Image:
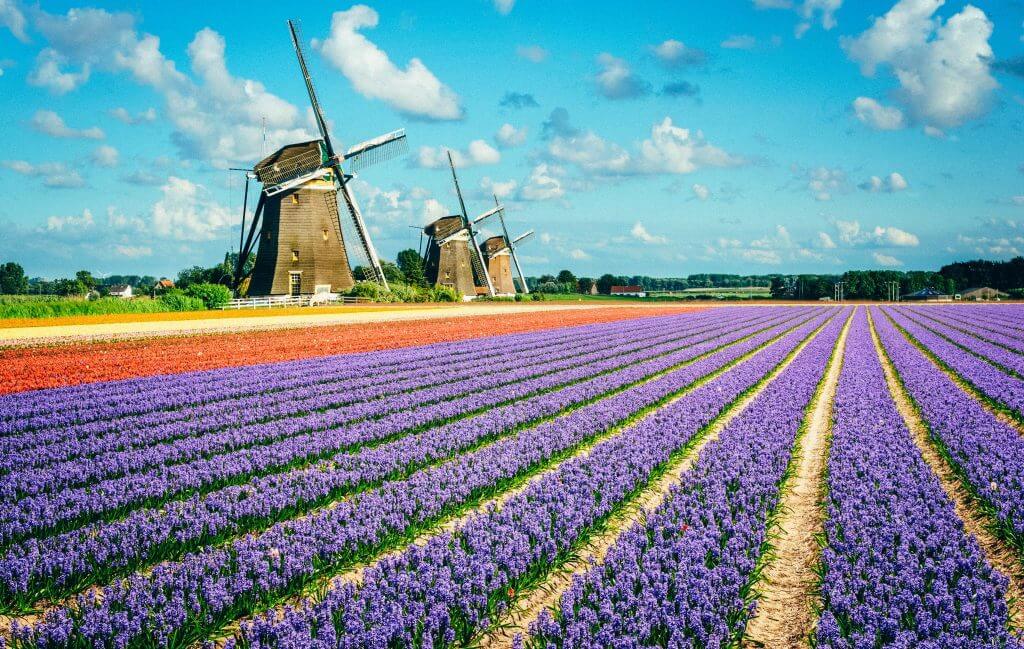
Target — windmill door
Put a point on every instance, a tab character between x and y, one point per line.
295	283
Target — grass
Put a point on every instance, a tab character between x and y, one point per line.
52	306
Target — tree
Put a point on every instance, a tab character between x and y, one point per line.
778	288
392	273
87	280
605	283
566	277
69	287
192	275
212	295
411	264
12	279
585	284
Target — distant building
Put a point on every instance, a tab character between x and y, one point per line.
927	295
163	284
982	293
120	290
633	291
593	288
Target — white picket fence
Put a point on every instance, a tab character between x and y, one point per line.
271	301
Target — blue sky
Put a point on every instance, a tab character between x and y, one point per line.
748	136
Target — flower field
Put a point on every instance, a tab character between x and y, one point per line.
626	481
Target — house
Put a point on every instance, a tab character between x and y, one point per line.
633	291
120	290
927	295
163	284
982	293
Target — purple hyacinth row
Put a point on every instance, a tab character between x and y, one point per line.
189	443
277	385
35	514
988	452
93	401
681	578
898	567
987	378
447	589
1006	358
978	326
184	600
65	560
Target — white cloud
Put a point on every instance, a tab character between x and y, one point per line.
771	249
13	19
133	252
825	241
122	115
674	54
105	156
851	233
825	10
878	116
824	182
578	254
187	212
943	68
886	260
740	42
509	136
414	91
477	153
532	53
504	7
48	73
543	184
894	182
433	209
50	123
701	191
501	189
616	79
54	174
934	132
641	234
61	223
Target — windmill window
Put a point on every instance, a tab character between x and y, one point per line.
295	199
295	255
325	235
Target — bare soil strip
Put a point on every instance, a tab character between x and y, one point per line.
518	618
999	555
787	587
1003	414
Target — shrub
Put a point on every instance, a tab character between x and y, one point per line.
444	294
212	295
176	300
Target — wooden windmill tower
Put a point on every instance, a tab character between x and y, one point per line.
453	256
298	226
500	250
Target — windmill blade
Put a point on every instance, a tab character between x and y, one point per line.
452	236
479	267
522	237
318	114
489	213
380	149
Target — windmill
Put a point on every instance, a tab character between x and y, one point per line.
499	250
453	255
297	223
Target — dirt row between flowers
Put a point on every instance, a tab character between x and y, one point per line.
49	366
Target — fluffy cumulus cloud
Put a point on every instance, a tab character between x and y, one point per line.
824	182
56	175
811	11
52	124
124	116
670	149
675	54
883	259
878	116
187	212
49	73
851	233
433	209
640	233
942	66
894	182
399	206
532	53
616	79
12	17
825	241
701	192
543	184
509	136
105	156
771	249
414	91
499	188
479	152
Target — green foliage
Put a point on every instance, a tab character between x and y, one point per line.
175	299
565	277
444	294
49	306
584	284
392	273
1001	275
403	293
411	265
212	295
779	289
12	279
69	287
86	278
605	283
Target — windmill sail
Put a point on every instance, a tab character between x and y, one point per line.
476	256
379	149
